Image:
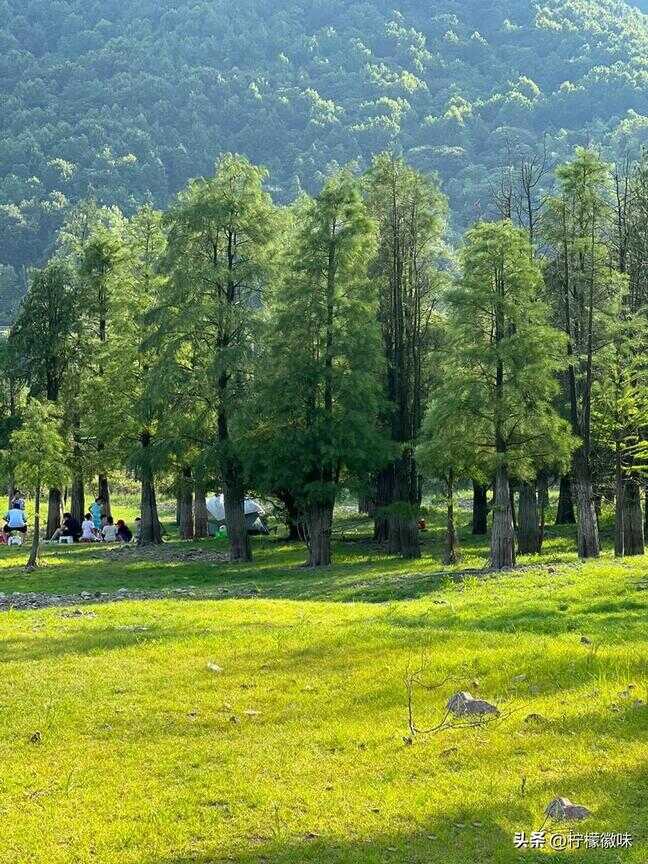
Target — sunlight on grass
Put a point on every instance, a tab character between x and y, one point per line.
119	745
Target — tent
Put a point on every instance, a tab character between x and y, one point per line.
255	515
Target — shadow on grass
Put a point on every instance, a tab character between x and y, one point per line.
84	642
470	835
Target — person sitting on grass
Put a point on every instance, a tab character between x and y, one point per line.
124	534
88	530
15	521
69	528
110	531
138	529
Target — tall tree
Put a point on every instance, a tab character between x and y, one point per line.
410	213
499	383
585	287
43	338
219	233
317	414
123	404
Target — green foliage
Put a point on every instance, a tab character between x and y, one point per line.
320	388
495	400
38	450
43	335
129	100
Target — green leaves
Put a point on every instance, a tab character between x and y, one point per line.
38	450
494	397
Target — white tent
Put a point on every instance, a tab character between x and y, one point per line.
254	515
216	508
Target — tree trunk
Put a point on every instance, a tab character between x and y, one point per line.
77	504
33	560
565	514
543	503
451	552
384	497
480	510
528	522
292	516
619	544
404	536
103	489
151	530
201	514
53	512
320	526
234	500
366	504
582	491
502	536
11	490
186	525
633	533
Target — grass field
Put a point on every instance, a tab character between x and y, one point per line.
120	744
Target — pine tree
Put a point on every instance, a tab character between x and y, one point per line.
219	236
323	360
585	286
410	213
499	384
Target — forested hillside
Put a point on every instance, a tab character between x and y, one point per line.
126	99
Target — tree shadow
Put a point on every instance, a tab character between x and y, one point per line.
84	642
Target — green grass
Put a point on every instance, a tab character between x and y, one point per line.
146	756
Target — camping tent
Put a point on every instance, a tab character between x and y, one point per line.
255	515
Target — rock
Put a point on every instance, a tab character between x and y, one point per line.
214	667
463	703
562	810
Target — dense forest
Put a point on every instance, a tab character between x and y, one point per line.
125	100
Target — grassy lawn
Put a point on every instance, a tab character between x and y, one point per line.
119	744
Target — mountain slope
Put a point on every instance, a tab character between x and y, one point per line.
127	99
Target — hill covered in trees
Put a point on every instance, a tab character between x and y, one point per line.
127	99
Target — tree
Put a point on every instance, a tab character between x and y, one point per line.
43	338
585	289
321	396
219	233
445	452
38	449
620	421
410	213
124	405
500	383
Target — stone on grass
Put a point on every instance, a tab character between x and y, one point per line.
214	667
462	704
562	810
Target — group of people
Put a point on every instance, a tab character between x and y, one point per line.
96	527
